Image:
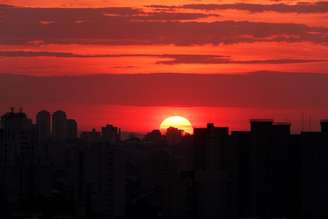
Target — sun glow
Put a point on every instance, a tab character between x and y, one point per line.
178	122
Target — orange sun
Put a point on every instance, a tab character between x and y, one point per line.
178	122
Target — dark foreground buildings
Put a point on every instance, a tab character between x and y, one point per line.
47	171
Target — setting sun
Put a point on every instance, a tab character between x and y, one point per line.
178	122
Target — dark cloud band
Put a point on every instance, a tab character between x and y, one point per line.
166	59
303	7
128	26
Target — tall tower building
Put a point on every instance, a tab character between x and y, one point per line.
59	125
99	176
72	128
210	144
324	126
43	125
111	134
17	150
15	121
210	166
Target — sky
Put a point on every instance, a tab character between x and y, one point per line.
204	59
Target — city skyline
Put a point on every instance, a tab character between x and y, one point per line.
47	170
163	109
72	128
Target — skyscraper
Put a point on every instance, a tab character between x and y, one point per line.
324	126
110	134
17	150
72	128
99	174
210	146
15	121
59	125
43	125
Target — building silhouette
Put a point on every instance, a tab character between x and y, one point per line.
17	155
91	136
266	172
174	136
72	130
43	125
59	125
111	134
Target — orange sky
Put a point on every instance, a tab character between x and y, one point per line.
250	35
104	3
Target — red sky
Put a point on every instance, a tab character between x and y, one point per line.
91	37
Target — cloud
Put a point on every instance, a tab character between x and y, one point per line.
214	59
166	59
274	90
6	6
50	54
300	7
128	26
168	16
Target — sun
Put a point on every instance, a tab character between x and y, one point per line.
178	122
